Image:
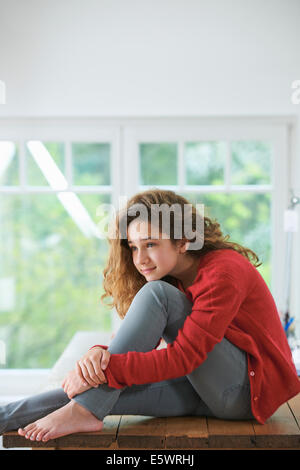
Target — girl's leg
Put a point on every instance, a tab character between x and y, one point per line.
159	310
174	397
20	413
147	313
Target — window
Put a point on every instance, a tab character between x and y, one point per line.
237	168
242	206
54	176
51	252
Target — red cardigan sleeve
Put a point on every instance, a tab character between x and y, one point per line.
103	346
217	303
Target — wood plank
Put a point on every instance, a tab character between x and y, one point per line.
186	432
230	434
294	404
45	448
112	447
141	432
13	440
101	439
104	438
280	430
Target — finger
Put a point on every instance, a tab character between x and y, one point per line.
90	365
88	374
80	374
105	360
65	382
100	375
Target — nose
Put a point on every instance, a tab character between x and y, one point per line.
141	257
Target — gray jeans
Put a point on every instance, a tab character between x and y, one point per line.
219	387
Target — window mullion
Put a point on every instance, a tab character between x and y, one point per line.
68	164
181	166
227	169
131	162
116	168
22	166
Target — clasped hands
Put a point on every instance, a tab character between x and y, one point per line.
87	373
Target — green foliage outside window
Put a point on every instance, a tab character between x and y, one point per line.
57	279
51	273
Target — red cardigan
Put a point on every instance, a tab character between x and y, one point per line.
230	298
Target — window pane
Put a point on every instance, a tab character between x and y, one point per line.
45	163
204	162
91	164
246	217
50	276
158	164
251	163
9	172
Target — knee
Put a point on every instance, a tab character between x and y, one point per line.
153	286
154	290
163	291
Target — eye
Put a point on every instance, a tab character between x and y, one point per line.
131	248
148	245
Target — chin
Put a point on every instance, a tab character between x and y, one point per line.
153	275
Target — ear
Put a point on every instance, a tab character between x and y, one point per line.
183	245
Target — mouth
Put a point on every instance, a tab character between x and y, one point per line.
146	271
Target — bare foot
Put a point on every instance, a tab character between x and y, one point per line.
69	419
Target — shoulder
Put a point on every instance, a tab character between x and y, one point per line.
227	263
225	259
225	270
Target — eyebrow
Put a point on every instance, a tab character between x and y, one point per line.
141	239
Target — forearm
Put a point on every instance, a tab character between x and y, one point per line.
201	331
137	368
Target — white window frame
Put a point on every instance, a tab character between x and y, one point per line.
276	131
65	131
125	134
56	130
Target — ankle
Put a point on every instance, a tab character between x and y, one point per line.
80	409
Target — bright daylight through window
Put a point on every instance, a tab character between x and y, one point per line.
51	255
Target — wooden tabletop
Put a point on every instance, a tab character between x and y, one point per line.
281	431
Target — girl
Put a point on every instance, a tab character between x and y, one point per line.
227	355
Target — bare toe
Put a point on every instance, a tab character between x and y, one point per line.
47	436
29	428
34	434
40	435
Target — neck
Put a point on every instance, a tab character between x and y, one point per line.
188	271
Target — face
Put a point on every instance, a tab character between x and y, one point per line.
153	258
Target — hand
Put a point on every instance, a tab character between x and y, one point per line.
72	384
89	367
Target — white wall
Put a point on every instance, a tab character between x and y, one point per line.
153	58
149	57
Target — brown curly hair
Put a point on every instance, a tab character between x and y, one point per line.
121	279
